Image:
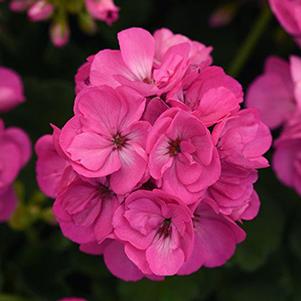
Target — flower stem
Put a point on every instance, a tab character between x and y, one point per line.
250	42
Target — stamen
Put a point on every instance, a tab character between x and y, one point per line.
165	229
119	141
174	147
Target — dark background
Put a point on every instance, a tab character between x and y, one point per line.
37	263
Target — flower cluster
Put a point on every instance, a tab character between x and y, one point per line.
15	146
156	168
86	10
288	12
277	95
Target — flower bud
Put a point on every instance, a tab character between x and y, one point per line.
41	10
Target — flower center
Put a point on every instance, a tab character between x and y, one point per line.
119	141
165	229
105	192
174	147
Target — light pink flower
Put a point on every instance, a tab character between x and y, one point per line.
212	96
233	194
287	156
215	240
288	12
157	230
15	152
182	159
272	93
243	139
40	11
51	163
82	77
106	137
84	209
104	10
11	89
59	34
136	65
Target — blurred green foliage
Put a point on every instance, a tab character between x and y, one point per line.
38	264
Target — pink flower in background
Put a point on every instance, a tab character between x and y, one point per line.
104	10
40	11
157	230
109	141
183	158
215	240
272	93
287	157
288	12
59	34
15	153
157	166
11	89
58	13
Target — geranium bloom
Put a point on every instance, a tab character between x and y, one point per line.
287	156
140	65
104	10
41	10
11	89
243	139
157	230
215	240
233	194
51	163
211	96
84	209
288	12
183	158
110	139
156	168
272	93
15	152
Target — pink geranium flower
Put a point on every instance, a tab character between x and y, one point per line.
233	194
84	209
15	152
287	156
157	230
138	65
51	163
288	12
11	89
211	96
215	240
40	11
183	159
243	139
110	138
272	93
104	10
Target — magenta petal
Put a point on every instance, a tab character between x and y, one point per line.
137	48
119	264
8	203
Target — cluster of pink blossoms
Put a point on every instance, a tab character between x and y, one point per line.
15	148
277	95
41	10
156	168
